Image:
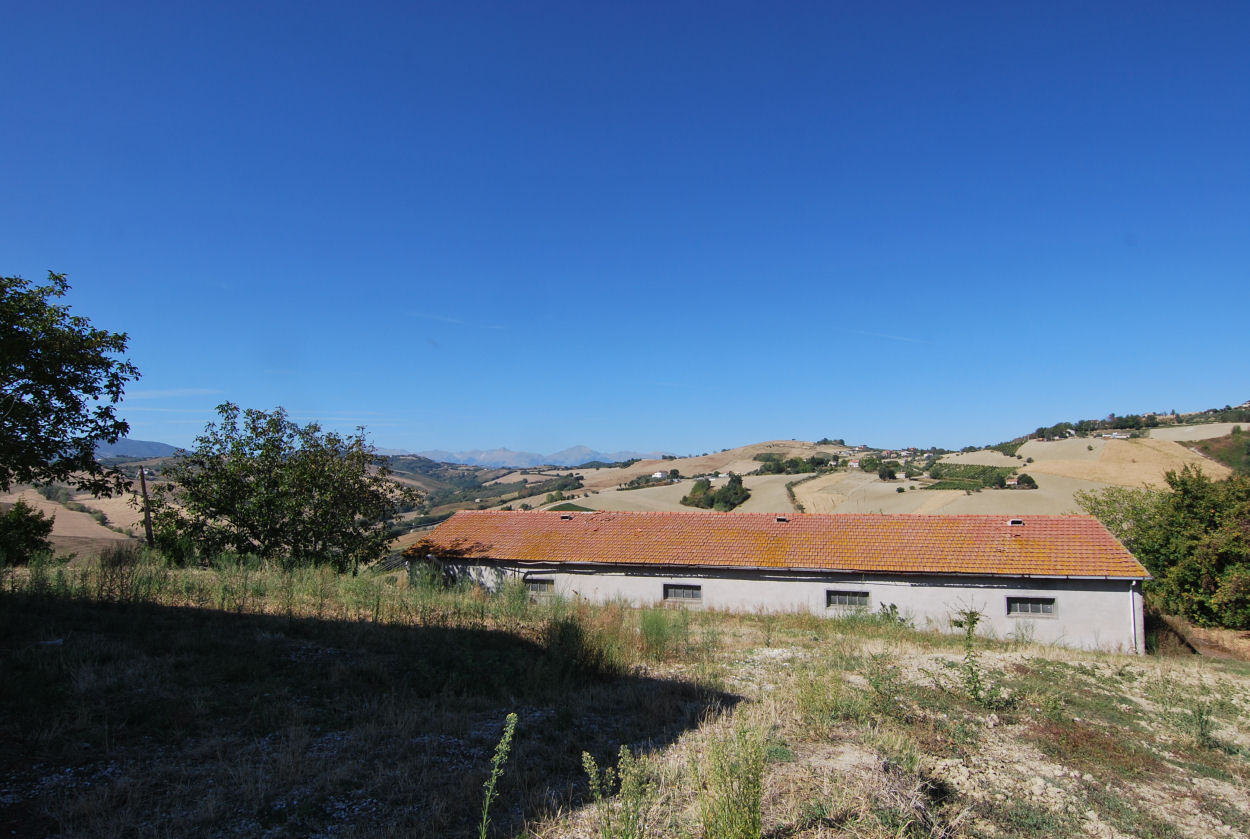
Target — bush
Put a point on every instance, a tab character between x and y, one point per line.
731	784
724	499
24	534
664	631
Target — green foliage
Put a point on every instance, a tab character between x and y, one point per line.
24	534
1026	481
617	464
1233	450
730	778
496	772
56	492
976	682
775	464
665	632
260	484
887	473
60	383
630	818
1127	513
570	507
1194	539
1009	449
970	475
724	499
644	481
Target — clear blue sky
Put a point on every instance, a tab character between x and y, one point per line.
669	226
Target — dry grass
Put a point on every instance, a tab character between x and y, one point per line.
235	701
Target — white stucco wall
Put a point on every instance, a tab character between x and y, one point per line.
1088	614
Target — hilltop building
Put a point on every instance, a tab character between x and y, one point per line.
1053	579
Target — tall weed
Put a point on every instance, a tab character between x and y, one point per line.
630	817
502	748
730	782
665	632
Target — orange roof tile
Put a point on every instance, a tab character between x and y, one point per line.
1051	546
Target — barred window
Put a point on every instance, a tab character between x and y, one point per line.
540	588
683	593
1030	605
834	597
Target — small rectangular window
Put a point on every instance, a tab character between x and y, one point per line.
683	593
540	588
1030	605
846	598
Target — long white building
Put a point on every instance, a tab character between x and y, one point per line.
1054	579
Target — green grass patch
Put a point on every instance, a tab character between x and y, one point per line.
1232	450
955	484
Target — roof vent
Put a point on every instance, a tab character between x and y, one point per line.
1015	522
782	519
566	516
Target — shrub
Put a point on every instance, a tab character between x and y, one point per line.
24	534
631	817
664	631
731	784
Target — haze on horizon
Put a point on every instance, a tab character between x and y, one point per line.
648	227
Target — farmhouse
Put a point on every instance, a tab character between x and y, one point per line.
1055	579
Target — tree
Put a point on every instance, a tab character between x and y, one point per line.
724	499
731	494
1194	539
60	382
287	493
887	473
23	534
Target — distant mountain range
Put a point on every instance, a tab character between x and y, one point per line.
574	456
134	448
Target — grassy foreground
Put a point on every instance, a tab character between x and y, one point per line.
235	701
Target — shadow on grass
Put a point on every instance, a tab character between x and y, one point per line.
151	720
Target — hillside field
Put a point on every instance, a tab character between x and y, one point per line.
232	702
1060	467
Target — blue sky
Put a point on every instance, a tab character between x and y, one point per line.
671	226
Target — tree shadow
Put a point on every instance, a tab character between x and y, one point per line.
167	719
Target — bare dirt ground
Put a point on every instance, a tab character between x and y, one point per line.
76	533
740	460
1204	431
857	492
1132	463
1233	643
119	510
983	458
768	495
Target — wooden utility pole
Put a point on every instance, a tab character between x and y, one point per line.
147	511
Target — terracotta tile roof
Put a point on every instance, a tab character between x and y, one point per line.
1062	546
